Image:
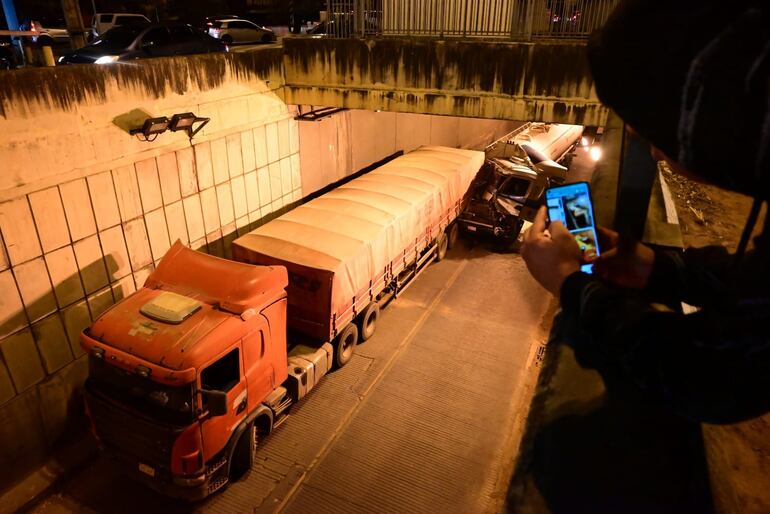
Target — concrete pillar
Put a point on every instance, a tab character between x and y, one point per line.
637	175
48	59
29	55
74	21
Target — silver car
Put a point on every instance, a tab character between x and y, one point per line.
234	30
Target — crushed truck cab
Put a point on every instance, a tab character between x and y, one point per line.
186	373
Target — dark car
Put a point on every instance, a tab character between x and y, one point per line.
7	53
507	191
140	42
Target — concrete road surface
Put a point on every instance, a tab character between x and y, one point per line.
425	418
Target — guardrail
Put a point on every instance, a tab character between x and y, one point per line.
519	20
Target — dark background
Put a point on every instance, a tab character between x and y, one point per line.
265	12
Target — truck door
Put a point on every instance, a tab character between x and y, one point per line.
258	366
223	374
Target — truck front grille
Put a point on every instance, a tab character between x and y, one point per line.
129	434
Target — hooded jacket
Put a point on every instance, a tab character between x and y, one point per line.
693	78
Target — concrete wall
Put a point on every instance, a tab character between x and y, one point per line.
87	210
544	81
337	146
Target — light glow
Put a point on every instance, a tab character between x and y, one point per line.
106	59
596	153
584	141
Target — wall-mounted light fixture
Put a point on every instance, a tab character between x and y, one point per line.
151	127
184	121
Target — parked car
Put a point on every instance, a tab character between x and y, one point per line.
236	30
7	53
139	42
47	32
209	20
320	29
102	22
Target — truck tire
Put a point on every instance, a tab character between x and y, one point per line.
442	244
345	345
243	453
453	235
367	321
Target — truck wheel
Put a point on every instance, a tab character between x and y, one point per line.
345	345
453	234
367	321
442	243
243	455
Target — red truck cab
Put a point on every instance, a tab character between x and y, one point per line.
185	373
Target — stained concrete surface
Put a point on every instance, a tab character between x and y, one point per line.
425	418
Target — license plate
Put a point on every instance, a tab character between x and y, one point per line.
147	470
471	228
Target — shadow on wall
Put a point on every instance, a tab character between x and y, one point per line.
47	369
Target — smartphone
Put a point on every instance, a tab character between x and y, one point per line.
571	204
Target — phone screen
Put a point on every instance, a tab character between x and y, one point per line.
571	204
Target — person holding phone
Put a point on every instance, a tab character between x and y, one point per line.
692	78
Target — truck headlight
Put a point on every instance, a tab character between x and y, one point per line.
106	59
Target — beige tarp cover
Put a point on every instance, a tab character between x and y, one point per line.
356	230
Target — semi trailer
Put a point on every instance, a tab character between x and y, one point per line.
190	372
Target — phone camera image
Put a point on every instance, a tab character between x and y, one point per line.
571	205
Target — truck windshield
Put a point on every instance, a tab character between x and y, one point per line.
166	404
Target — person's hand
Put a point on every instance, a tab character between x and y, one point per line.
551	255
625	266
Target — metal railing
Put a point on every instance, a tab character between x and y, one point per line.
499	19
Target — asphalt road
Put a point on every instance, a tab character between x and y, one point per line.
425	418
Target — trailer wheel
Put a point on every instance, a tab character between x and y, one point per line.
453	234
345	345
367	321
243	455
442	243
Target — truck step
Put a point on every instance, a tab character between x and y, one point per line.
274	399
217	484
216	466
280	420
281	408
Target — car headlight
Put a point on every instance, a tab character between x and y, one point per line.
106	59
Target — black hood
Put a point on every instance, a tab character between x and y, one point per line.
692	77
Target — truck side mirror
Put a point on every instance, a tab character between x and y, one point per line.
216	401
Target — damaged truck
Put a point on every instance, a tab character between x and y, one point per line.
518	168
190	372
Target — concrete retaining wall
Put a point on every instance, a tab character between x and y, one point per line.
541	81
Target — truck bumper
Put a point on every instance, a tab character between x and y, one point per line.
475	226
191	488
